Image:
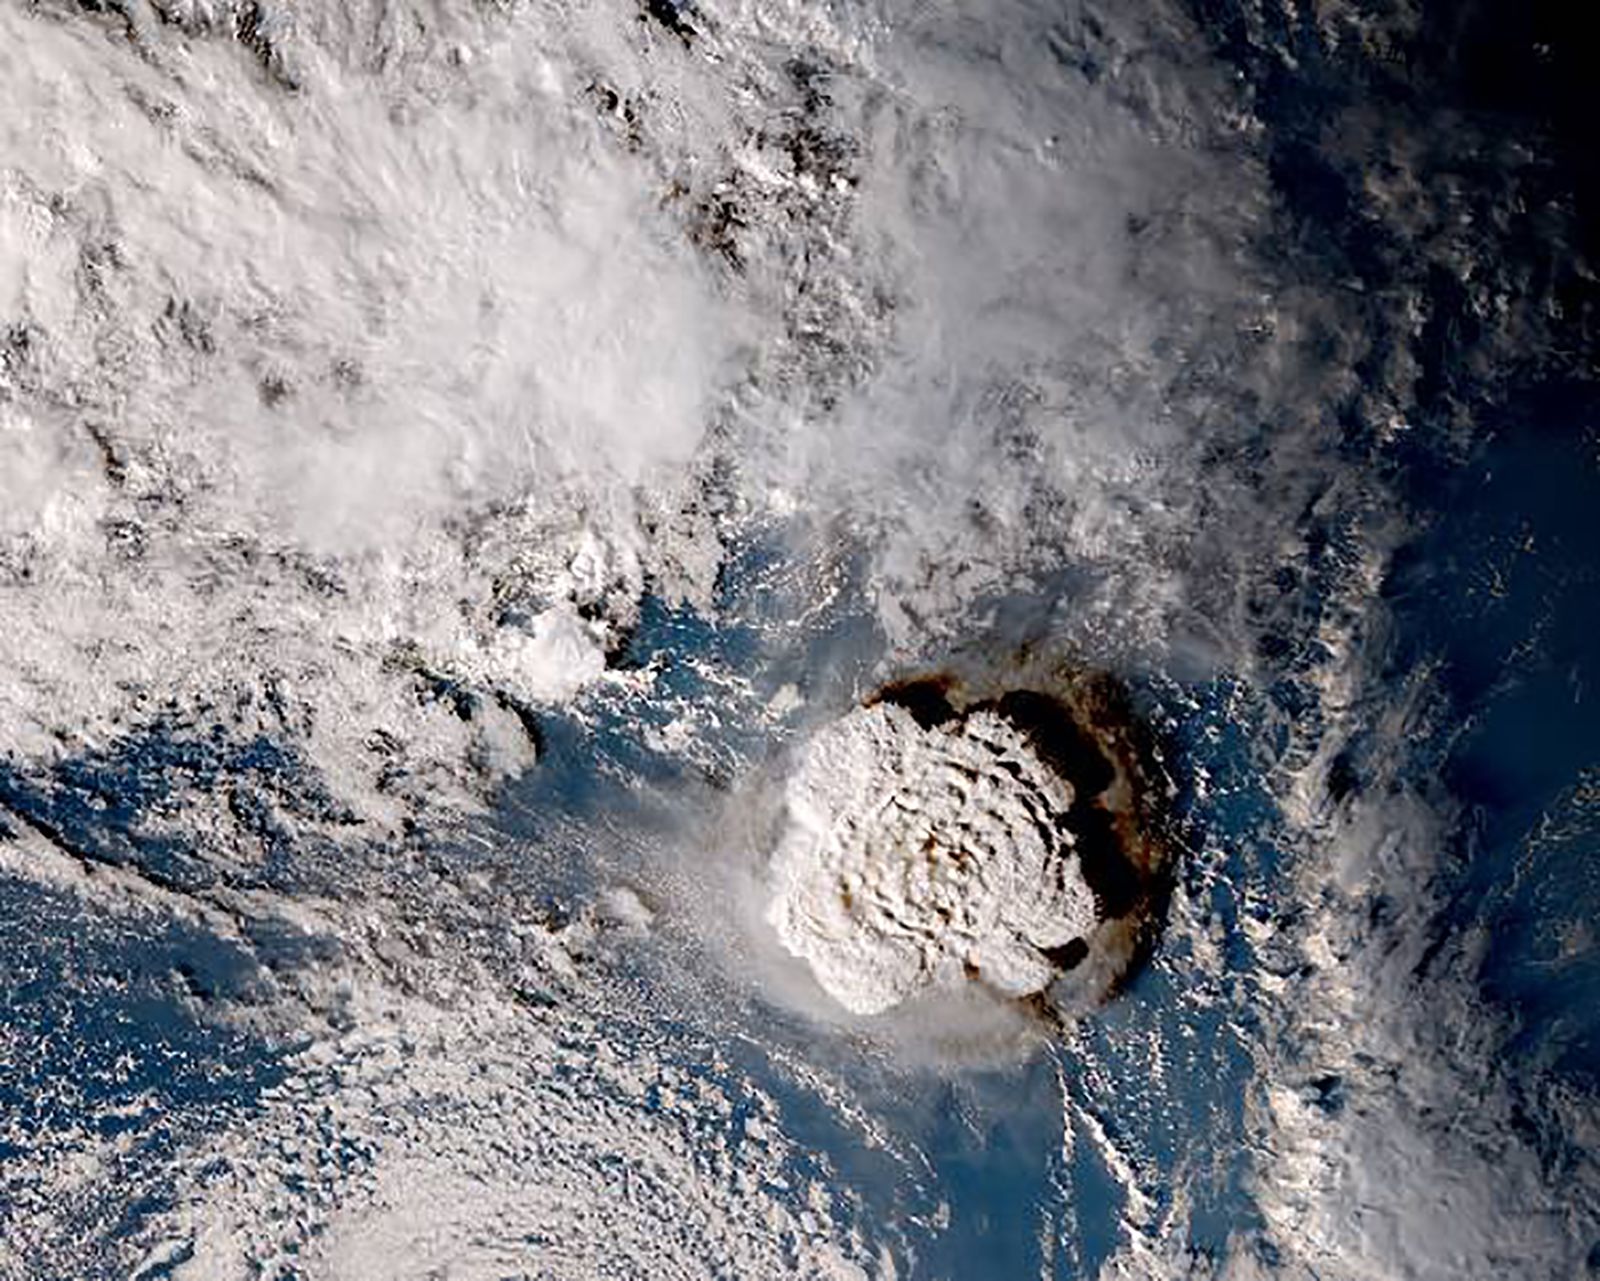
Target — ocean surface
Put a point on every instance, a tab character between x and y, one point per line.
453	457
